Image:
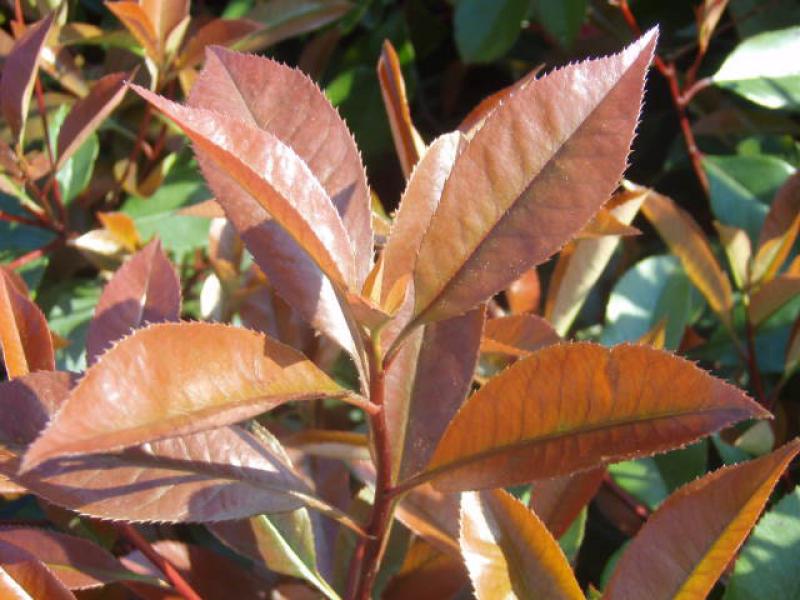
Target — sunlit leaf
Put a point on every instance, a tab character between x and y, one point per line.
222	32
508	551
515	214
739	251
24	335
779	231
775	293
700	528
568	407
137	21
524	293
144	290
230	375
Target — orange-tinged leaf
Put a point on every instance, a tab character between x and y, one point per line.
517	335
508	551
230	375
19	73
24	335
417	206
739	251
282	101
570	407
144	290
88	113
433	516
655	336
503	208
558	501
166	16
24	577
779	231
775	293
605	223
793	350
222	32
524	293
136	20
688	242
700	528
427	574
407	142
122	227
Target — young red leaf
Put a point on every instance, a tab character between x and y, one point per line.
775	293
287	104
508	551
535	173
88	113
19	74
137	21
517	335
222	32
24	577
24	336
168	18
558	501
574	406
779	231
144	290
132	395
700	528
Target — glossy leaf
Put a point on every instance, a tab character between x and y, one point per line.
779	231
407	141
169	19
515	214
136	20
688	242
24	336
24	577
486	29
775	293
144	290
559	500
88	113
230	375
605	223
222	32
700	528
517	335
508	551
19	73
279	100
567	408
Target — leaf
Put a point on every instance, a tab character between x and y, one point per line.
426	574
169	19
230	375
603	224
779	231
503	204
25	577
562	20
761	70
700	527
137	21
767	565
688	242
508	551
478	115
19	74
739	251
222	32
578	269
407	141
282	542
24	336
77	563
485	29
707	16
144	290
517	335
559	500
279	100
590	405
88	113
775	293
433	516
524	293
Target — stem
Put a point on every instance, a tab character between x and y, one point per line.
637	508
169	570
62	210
34	254
8	217
137	148
752	360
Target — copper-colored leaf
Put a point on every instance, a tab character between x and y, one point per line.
19	74
427	574
775	293
700	528
407	141
79	564
24	577
688	242
136	20
122	227
88	113
168	17
144	290
222	32
558	501
503	208
432	515
524	293
24	336
517	335
288	105
508	551
779	231
574	406
605	223
216	375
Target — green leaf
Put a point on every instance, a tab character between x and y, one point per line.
767	565
69	307
654	288
742	188
486	29
562	19
571	541
764	69
75	173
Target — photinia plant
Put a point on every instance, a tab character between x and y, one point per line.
171	422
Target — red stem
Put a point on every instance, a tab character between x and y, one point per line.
169	570
636	507
34	254
4	216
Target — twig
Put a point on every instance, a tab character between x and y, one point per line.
34	254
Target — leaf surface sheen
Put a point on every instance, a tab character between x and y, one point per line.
700	527
508	551
576	406
531	178
24	336
144	290
217	375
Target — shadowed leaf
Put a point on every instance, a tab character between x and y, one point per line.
775	293
700	527
144	290
524	293
132	395
222	32
559	500
569	407
427	574
517	335
24	336
508	551
24	577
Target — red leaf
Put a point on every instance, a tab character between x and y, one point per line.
558	501
25	577
24	336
